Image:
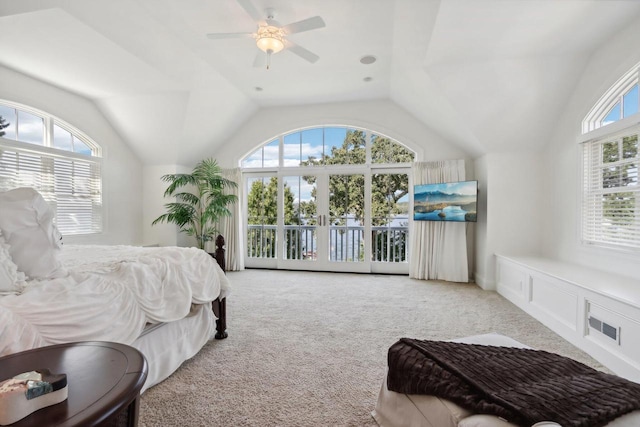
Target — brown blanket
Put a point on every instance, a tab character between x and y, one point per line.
520	385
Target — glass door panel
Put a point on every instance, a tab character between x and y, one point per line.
262	217
300	218
346	218
389	217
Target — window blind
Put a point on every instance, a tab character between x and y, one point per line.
70	183
611	194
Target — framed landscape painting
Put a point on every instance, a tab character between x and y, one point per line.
447	201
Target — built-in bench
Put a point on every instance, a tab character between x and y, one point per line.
596	311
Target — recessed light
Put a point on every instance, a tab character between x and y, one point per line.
368	59
367	79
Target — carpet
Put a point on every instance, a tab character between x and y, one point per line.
309	349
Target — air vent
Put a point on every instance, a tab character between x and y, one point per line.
605	328
610	331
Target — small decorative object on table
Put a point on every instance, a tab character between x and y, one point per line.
28	392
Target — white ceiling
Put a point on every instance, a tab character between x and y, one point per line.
487	75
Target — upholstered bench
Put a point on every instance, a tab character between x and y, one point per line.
413	410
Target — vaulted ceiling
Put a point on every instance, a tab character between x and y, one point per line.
486	75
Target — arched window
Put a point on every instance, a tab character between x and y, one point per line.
619	102
43	152
328	198
611	193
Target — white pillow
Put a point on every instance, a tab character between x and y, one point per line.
11	280
26	220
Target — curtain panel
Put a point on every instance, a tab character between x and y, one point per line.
439	249
231	227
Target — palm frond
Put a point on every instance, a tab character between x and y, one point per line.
189	198
177	213
178	180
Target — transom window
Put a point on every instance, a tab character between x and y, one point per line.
620	101
611	193
43	152
328	145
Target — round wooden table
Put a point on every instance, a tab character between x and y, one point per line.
104	381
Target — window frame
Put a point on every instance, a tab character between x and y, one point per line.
600	110
592	188
49	153
281	160
593	132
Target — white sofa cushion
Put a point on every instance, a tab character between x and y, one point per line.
26	220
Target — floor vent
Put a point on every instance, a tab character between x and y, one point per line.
605	328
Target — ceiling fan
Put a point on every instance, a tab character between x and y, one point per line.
271	37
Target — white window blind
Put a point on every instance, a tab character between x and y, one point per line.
70	182
611	194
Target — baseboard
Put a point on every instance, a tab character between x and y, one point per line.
485	284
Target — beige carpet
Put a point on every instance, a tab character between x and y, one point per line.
309	349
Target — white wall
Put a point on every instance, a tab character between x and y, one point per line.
483	258
161	234
561	239
382	116
122	171
512	205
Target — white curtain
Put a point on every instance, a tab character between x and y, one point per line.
439	249
231	227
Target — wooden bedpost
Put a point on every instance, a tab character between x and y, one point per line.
219	253
219	306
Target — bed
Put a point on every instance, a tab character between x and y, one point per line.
413	410
160	300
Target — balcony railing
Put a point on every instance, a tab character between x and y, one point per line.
389	244
261	241
346	243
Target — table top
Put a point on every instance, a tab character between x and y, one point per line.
103	378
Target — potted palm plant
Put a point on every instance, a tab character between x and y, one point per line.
196	212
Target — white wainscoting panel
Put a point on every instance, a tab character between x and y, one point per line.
511	280
564	297
556	299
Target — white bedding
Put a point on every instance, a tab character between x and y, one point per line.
109	294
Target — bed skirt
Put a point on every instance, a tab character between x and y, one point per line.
187	336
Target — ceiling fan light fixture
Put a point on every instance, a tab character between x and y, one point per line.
270	39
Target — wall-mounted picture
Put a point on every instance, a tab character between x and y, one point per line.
447	201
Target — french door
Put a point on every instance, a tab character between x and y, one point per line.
326	232
321	219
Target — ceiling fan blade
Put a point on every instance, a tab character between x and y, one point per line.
260	60
251	10
229	35
304	25
302	52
